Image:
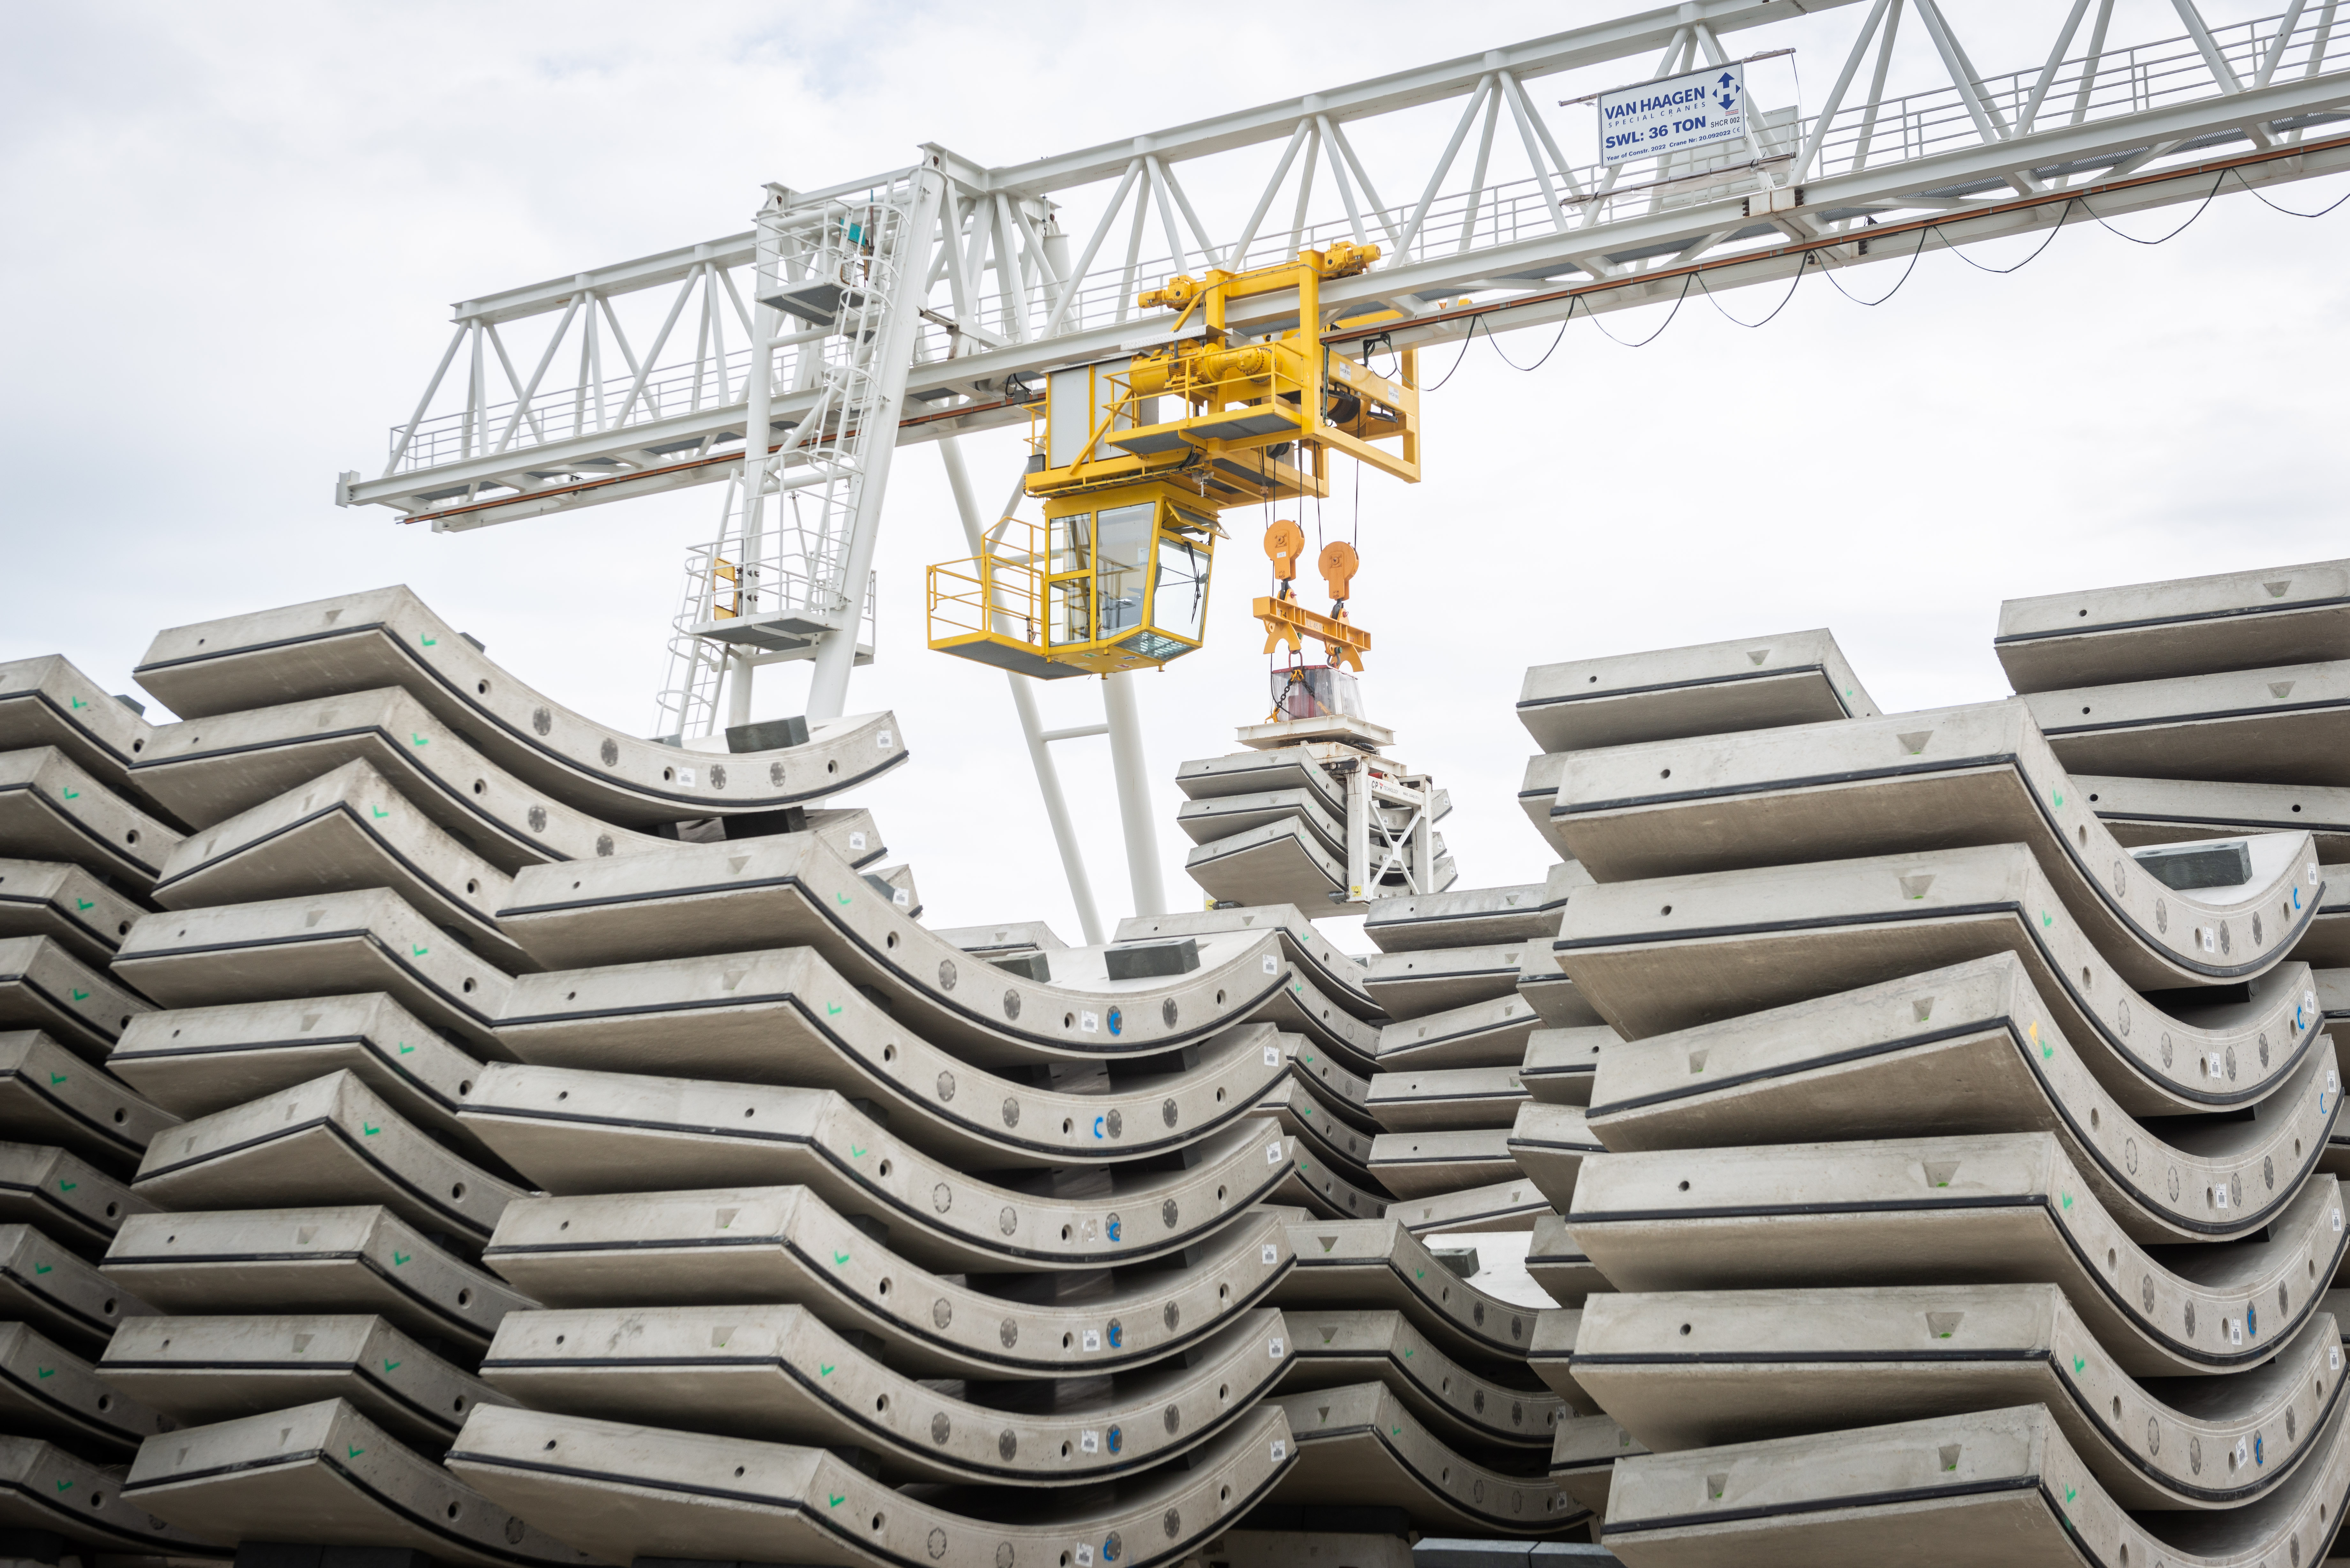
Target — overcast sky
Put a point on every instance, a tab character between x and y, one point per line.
234	234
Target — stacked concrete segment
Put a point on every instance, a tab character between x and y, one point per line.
1966	1189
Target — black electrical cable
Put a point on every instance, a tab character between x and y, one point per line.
2208	196
1802	266
2288	211
1687	278
1573	301
1829	273
2070	202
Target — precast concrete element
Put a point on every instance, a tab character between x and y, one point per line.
52	809
1967	1049
66	904
575	1132
1300	1007
50	1096
1461	1405
1479	917
44	986
1374	1264
2286	724
1278	863
1938	1494
1552	1357
1010	938
202	1369
2139	812
1708	689
756	1246
1361	1445
1514	1204
45	1285
1446	1099
46	1490
349	1260
345	832
1695	1369
1326	1192
1558	1261
785	1376
325	1475
1550	1143
1551	992
1338	975
194	1062
387	637
1258	772
1303	1115
1954	778
1537	791
46	701
1583	1457
1339	1086
1206	821
1561	1064
1424	1164
69	1200
1676	952
2185	626
786	1016
1955	1210
331	1140
631	1493
1480	1034
1431	980
48	1392
329	944
695	900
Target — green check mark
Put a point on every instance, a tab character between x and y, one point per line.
45	1372
855	1152
355	1452
834	1500
824	1369
831	1009
840	1259
68	794
81	996
42	1267
415	738
78	703
2068	1199
379	812
2046	919
419	952
427	642
1406	1354
67	1186
57	1078
399	1259
1420	1273
1394	1431
2079	1365
84	905
393	1365
405	1049
843	898
64	1486
368	1131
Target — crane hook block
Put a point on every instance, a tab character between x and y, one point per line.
1284	541
1337	564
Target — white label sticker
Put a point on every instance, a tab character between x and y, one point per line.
2333	1082
1280	1450
685	777
857	842
2337	1221
1270	967
2332	1358
1275	1349
2243	1452
1273	1154
1089	1340
1272	1254
1273	1056
2214	1066
2219	1196
1089	1442
1088	1022
1084	1557
2312	873
2235	1331
902	899
2210	943
885	740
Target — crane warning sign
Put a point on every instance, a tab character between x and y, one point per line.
1673	115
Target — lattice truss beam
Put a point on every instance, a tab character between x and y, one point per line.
1471	176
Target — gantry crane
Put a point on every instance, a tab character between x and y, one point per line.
943	298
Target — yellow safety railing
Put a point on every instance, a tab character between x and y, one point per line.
998	595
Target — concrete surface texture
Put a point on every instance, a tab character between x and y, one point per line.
398	1051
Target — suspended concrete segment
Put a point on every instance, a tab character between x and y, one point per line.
1361	1445
1378	1265
1462	1406
65	1196
198	1061
1430	980
1952	778
628	1493
1557	1263
46	701
1562	1063
325	1475
48	1392
758	1246
2139	812
51	809
47	1491
2187	626
44	986
786	1016
1338	975
66	904
1935	1494
1708	688
45	1285
1676	952
1447	1099
1550	1143
574	1132
1425	1164
331	1141
387	637
349	1259
328	945
50	1096
2287	725
1475	917
1514	1204
1478	1034
1959	1210
785	1376
1556	1001
698	900
1255	773
1968	1049
198	1370
1686	1370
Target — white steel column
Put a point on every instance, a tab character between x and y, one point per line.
835	653
1124	712
1023	703
757	423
